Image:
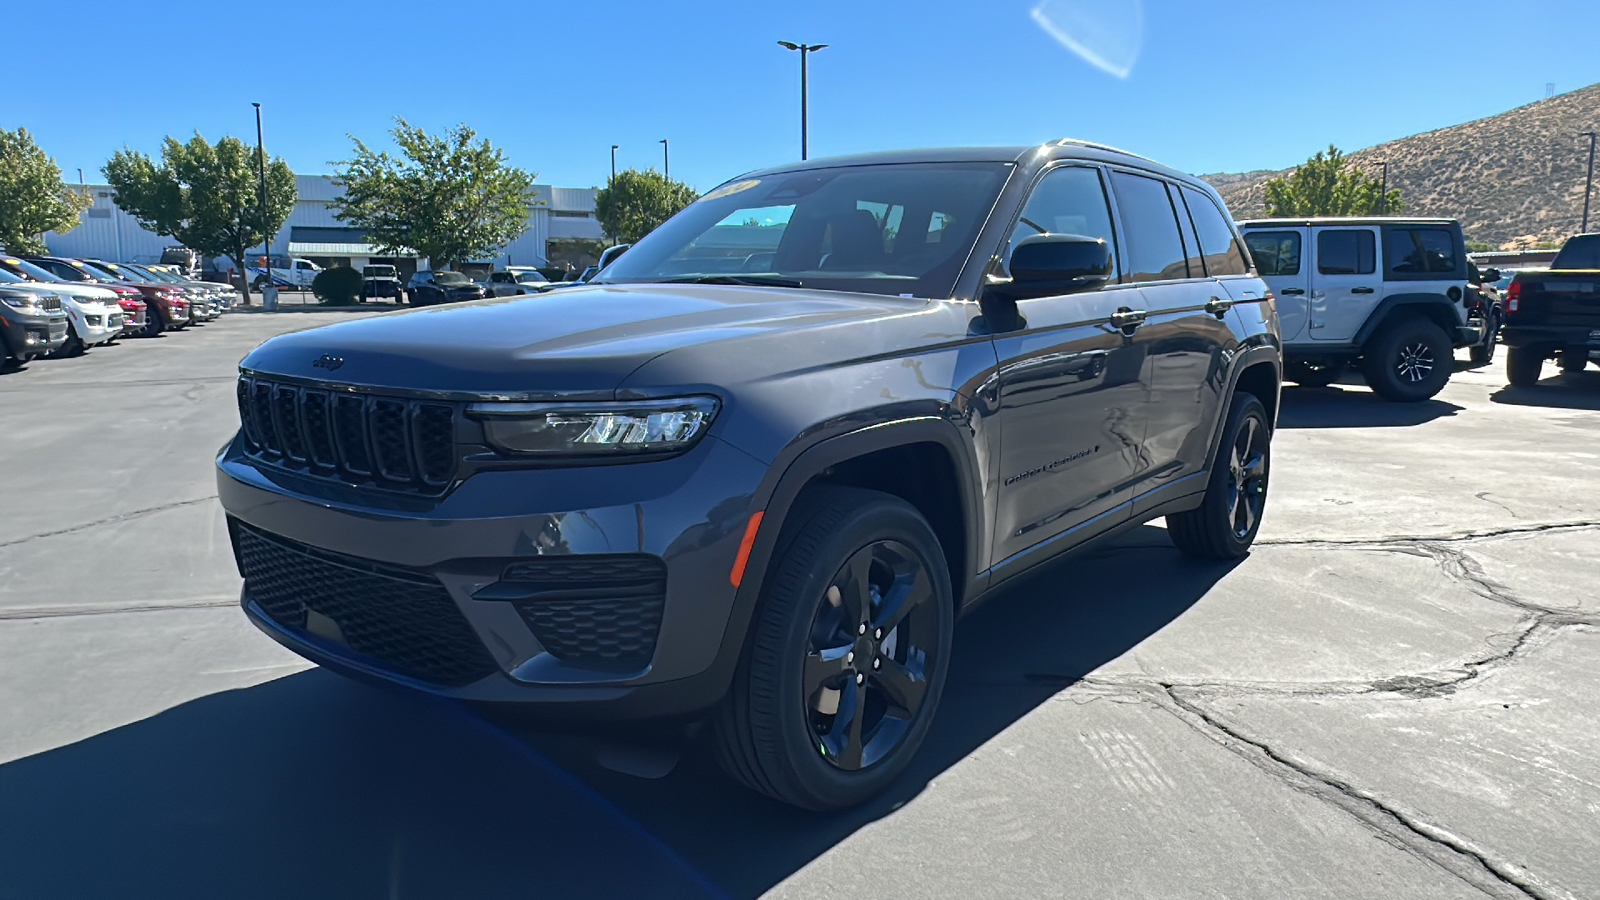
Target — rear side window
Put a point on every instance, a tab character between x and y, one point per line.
1347	251
1275	252
1155	250
1217	240
1412	251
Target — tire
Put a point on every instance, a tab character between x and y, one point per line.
1409	361
1523	366
154	324
1483	354
1226	522
776	732
1574	360
1315	375
74	346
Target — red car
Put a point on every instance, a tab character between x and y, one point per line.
164	307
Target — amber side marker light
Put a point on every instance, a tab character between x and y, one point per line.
745	545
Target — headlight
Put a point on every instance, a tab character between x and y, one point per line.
27	302
598	429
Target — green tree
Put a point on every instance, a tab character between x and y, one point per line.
206	195
635	202
33	199
450	198
1479	247
1328	184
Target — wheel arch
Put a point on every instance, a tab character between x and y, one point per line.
1436	308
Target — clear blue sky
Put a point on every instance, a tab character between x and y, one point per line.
1214	87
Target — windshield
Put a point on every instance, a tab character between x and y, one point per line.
103	272
378	271
531	278
887	229
449	279
152	274
29	270
123	272
8	278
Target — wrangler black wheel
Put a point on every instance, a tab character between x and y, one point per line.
847	657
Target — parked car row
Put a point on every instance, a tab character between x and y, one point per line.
60	306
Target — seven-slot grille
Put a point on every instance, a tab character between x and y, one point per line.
395	443
50	303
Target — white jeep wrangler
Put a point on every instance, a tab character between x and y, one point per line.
1389	294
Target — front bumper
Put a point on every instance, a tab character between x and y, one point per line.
686	515
99	326
30	336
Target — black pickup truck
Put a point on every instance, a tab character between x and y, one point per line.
1554	312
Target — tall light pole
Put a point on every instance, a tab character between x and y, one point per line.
266	239
805	50
614	162
1588	188
666	161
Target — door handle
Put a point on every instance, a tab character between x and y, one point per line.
1218	307
1361	290
1128	319
1295	291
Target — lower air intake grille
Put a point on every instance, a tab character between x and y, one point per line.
401	620
603	609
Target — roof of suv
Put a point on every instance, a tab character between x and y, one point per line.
1346	220
1067	148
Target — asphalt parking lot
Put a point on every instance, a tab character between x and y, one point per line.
1394	695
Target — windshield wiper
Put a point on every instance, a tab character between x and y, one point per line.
752	280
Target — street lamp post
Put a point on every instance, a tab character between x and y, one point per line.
266	239
805	49
1588	187
666	161
614	162
1383	198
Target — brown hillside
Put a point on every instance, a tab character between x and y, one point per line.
1511	179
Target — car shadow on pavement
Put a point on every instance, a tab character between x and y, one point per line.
313	786
1032	640
1338	407
1569	390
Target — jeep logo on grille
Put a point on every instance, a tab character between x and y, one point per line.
328	362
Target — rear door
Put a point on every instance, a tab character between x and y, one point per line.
1346	282
1279	254
1072	387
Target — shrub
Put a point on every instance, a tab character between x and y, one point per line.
337	287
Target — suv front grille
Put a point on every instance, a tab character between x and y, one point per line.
394	443
403	620
603	609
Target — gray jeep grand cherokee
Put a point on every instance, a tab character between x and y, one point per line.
755	470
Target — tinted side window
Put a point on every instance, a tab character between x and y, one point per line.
1191	244
1412	250
1347	251
1068	200
1275	252
1155	251
1217	241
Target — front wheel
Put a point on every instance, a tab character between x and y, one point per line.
1409	362
847	657
153	323
1225	523
1523	366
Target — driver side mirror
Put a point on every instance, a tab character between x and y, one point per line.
1048	265
1490	276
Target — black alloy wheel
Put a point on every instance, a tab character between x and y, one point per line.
846	660
866	670
1227	520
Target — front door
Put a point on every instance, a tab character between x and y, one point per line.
1345	283
1278	253
1072	388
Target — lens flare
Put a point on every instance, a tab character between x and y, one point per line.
1106	34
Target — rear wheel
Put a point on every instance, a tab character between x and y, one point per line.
1309	374
1483	354
1574	360
847	657
1409	362
1523	366
1225	523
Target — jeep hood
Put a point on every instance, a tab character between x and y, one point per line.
583	342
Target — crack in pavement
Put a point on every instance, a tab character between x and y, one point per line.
1450	537
120	517
103	609
1421	839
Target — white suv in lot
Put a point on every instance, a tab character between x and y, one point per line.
1387	294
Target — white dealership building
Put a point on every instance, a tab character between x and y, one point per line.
558	221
